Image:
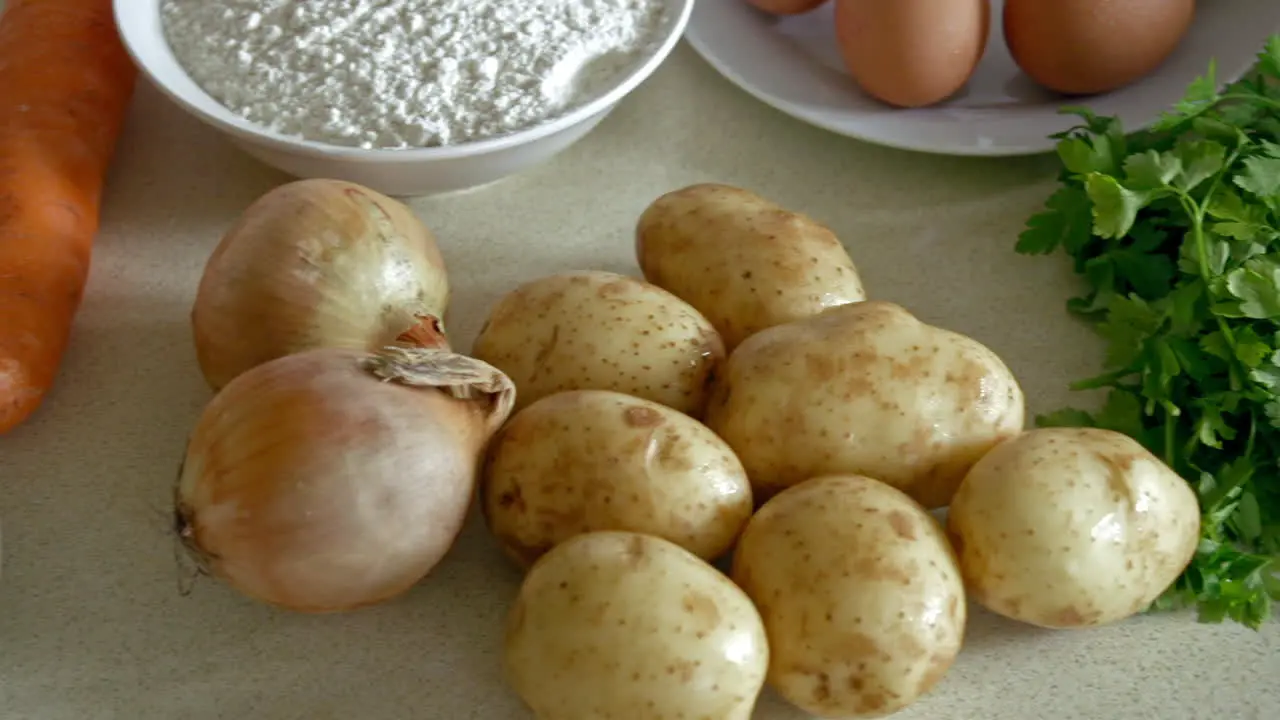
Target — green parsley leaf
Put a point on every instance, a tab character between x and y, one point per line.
1103	142
1227	204
1122	413
1256	287
1151	170
1083	157
1130	322
1068	417
1200	95
1149	275
1115	207
1186	303
1269	58
1248	518
1250	349
1212	428
1272	410
1066	221
1200	160
1210	248
1261	176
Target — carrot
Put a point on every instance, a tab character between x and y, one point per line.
65	86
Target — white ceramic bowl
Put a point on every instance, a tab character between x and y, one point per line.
409	172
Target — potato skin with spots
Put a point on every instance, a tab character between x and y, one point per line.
743	261
860	593
595	330
864	389
624	626
588	460
1072	527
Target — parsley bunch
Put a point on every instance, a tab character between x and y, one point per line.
1176	231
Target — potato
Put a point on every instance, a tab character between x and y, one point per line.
864	389
1072	527
744	262
623	626
860	595
591	330
589	460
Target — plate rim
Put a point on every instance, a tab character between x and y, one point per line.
697	41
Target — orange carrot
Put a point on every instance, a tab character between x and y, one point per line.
65	85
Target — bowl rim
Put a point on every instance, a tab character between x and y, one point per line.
131	31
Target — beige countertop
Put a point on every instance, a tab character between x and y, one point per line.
93	621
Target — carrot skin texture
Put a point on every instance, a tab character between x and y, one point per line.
66	83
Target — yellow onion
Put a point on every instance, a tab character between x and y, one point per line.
333	479
317	263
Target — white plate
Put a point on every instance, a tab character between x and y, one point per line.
794	65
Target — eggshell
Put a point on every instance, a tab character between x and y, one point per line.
786	7
1083	47
912	53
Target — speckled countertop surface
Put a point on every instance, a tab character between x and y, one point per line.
92	622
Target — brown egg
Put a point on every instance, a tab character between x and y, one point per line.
786	7
912	53
1082	47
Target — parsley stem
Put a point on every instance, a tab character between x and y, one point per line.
1262	100
1196	212
1105	380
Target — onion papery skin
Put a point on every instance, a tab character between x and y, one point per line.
317	263
335	479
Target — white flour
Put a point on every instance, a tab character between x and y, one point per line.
406	73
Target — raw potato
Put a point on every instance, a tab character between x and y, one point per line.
591	330
1072	527
622	626
744	262
589	460
860	594
864	389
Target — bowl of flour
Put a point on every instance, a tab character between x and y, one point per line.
408	97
